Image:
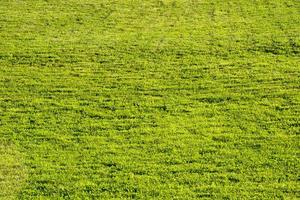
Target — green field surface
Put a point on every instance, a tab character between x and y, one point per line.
149	99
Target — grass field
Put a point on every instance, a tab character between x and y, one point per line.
153	99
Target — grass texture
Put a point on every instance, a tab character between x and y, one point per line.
152	99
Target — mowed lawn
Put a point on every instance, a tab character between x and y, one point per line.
149	99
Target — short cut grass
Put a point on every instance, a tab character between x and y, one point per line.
149	99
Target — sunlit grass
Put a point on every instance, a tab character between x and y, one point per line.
149	99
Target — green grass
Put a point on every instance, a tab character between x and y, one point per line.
154	99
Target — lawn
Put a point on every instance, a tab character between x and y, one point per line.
152	99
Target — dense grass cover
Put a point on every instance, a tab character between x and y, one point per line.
152	99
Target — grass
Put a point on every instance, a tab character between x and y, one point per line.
12	171
156	99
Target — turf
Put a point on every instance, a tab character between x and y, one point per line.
155	99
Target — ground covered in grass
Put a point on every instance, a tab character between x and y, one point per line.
154	99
